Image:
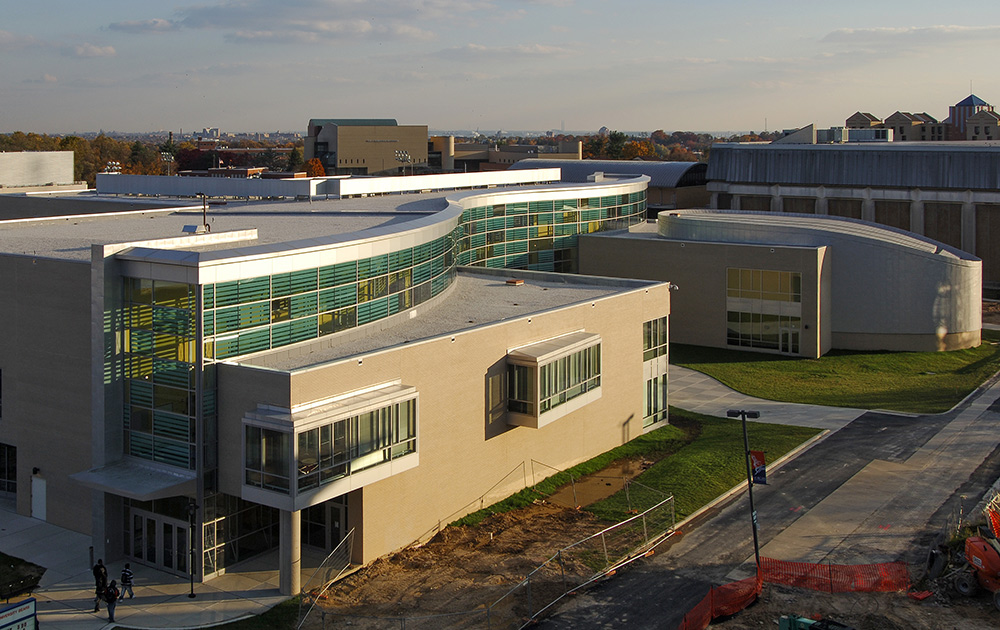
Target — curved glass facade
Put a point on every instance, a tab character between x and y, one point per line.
251	315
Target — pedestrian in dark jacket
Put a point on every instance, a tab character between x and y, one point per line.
100	583
126	582
111	597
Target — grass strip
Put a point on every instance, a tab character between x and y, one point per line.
705	468
655	444
914	382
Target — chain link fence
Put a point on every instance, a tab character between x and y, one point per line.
570	569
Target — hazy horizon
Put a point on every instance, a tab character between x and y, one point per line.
141	66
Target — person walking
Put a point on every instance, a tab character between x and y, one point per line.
100	583
111	597
127	582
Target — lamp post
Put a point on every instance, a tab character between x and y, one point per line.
744	414
403	156
192	509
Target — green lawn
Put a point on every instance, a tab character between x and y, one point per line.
916	382
712	463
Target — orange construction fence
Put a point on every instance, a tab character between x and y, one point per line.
722	601
729	599
838	578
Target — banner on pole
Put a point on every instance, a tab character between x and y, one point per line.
759	468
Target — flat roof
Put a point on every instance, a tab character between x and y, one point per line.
20	206
276	221
478	298
821	223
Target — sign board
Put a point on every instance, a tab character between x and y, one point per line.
19	616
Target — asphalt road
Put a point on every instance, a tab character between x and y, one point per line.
657	592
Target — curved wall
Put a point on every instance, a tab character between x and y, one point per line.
889	289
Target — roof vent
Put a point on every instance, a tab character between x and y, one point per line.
515	282
194	229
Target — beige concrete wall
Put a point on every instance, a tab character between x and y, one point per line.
239	392
45	359
698	311
463	451
375	147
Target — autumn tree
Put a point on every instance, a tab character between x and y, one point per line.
314	168
638	149
615	149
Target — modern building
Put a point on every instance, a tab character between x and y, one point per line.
363	146
379	363
798	284
947	192
672	185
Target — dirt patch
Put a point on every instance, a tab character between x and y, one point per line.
991	312
462	568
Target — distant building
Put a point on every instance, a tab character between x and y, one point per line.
923	127
863	120
945	191
468	157
672	185
959	113
365	146
982	125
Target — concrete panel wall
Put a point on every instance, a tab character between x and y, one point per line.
463	450
698	307
45	359
36	168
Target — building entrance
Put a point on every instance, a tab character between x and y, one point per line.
158	541
789	341
324	525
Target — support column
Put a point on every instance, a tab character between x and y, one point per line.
290	552
969	225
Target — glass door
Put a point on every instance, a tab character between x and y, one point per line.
158	541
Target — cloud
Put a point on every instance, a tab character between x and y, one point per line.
45	78
476	52
914	34
86	50
155	25
13	41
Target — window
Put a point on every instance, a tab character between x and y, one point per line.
544	375
266	458
654	338
8	469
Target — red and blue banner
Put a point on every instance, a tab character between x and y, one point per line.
759	468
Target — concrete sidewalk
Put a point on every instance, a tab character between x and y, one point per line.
876	515
697	392
66	592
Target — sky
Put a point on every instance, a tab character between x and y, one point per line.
632	65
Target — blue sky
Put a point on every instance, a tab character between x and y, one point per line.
266	65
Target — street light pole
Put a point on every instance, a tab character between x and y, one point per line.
744	414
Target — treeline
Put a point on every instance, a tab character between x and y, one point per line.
91	156
678	146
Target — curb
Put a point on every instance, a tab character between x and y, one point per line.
742	486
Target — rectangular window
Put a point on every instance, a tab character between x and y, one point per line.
654	338
266	458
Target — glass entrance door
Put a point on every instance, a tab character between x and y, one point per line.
325	524
789	341
158	541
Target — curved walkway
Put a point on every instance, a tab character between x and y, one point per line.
697	392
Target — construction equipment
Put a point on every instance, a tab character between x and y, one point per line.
982	556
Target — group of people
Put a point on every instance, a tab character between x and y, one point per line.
111	594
